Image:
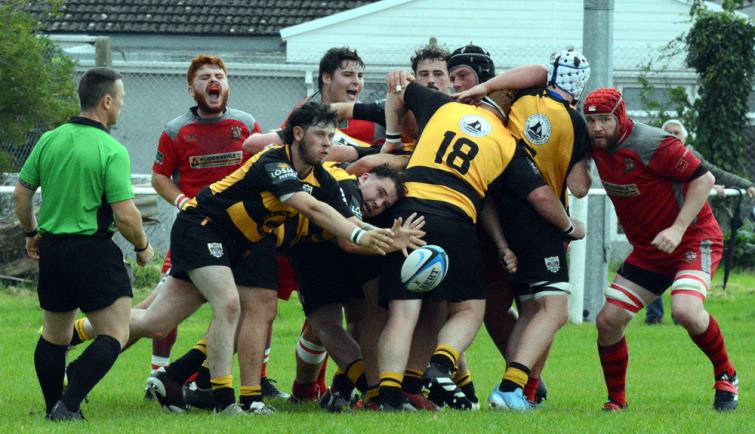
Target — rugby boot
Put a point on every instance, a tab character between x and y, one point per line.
727	392
61	413
440	383
260	408
231	410
514	401
167	391
420	402
613	406
270	391
197	397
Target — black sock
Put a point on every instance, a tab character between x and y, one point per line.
223	397
182	368
508	385
203	378
50	363
343	385
413	382
442	361
86	371
469	390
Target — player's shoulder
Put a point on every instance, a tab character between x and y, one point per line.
645	140
241	116
174	126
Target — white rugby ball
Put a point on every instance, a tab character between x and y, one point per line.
424	268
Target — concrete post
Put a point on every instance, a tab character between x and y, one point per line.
103	53
597	42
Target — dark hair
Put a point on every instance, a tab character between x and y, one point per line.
95	84
334	59
310	113
201	60
397	176
429	52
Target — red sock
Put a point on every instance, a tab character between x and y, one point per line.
614	359
161	349
321	377
304	392
531	388
711	341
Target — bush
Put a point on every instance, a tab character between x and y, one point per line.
744	252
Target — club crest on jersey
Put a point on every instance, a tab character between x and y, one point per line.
628	164
216	249
159	157
553	264
475	126
690	256
681	165
280	172
537	129
235	132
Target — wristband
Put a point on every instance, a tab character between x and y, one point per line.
356	235
31	233
569	230
137	250
180	200
391	136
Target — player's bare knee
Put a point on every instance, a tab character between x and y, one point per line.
608	323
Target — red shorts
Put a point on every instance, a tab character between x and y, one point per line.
286	278
167	263
693	254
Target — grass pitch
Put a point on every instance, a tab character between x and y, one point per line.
669	382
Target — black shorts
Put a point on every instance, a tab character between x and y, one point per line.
195	243
650	280
458	237
540	249
80	272
328	275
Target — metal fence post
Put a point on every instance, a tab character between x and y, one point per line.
103	53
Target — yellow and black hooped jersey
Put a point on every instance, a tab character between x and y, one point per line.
552	131
247	202
461	150
299	228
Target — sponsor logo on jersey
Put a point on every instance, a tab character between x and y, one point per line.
628	164
356	208
537	129
159	157
215	160
235	132
281	172
621	190
552	263
475	126
216	249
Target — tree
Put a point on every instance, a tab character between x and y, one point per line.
720	48
38	89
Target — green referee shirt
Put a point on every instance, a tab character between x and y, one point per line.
82	169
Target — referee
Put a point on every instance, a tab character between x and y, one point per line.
85	176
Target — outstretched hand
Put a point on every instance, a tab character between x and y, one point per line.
473	95
378	240
408	234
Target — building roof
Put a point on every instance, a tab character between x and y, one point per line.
195	17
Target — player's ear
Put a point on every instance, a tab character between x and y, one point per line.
364	177
191	91
326	78
298	133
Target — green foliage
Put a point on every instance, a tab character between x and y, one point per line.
38	90
677	104
744	252
719	47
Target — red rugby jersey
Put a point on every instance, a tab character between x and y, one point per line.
365	131
647	177
196	151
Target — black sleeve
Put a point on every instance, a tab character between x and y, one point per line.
331	193
581	139
363	151
521	176
373	112
423	102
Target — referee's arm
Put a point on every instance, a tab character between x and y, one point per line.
23	202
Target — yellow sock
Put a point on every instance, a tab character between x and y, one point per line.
462	379
78	325
225	381
413	373
391	379
201	345
206	364
447	351
516	375
355	370
372	393
250	391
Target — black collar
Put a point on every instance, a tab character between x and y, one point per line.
89	122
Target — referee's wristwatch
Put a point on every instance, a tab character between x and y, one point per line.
32	233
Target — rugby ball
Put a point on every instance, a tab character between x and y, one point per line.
424	268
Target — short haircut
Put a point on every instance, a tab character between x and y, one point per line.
201	60
676	122
310	113
95	84
397	176
334	59
429	52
